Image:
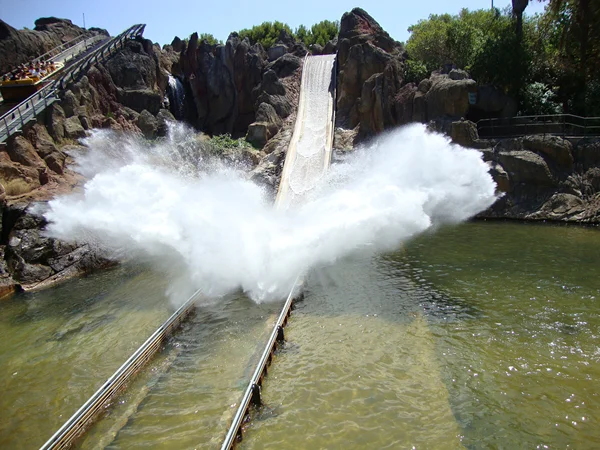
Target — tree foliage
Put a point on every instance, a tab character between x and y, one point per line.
209	38
320	33
545	61
269	33
266	34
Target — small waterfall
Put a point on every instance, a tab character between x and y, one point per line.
176	94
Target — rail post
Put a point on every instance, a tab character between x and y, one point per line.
280	334
256	399
20	116
6	126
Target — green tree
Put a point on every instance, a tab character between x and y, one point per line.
266	34
427	42
572	29
209	38
323	32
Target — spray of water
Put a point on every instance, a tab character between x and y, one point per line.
215	230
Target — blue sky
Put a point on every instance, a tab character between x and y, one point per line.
182	17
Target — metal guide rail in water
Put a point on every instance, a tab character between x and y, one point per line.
88	413
252	395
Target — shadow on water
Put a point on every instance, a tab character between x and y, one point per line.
77	296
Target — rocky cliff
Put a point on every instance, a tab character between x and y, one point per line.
125	93
540	177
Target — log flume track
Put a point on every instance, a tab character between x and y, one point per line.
307	161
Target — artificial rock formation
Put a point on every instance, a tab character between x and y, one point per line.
124	94
370	66
230	82
541	177
371	93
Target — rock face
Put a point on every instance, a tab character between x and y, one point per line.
34	260
540	177
370	74
238	88
126	94
371	92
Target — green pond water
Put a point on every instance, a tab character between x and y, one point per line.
484	335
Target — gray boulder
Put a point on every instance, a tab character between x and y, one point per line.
164	117
73	128
285	66
21	151
526	167
266	126
148	124
141	99
557	150
448	97
277	51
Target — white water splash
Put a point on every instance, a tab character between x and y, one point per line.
217	231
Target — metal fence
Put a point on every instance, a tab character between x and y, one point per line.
96	404
563	125
16	118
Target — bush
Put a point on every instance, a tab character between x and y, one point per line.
414	71
320	33
266	34
209	38
224	142
17	186
537	98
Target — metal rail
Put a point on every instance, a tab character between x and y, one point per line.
68	54
88	413
16	118
62	48
563	125
252	395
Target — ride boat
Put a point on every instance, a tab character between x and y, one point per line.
15	90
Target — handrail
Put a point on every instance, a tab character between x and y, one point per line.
252	393
61	48
89	42
15	118
85	415
564	125
64	46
